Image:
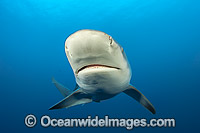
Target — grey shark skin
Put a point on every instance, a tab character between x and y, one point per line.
101	70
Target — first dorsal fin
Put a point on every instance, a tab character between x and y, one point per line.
63	90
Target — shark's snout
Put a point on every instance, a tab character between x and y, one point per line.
89	47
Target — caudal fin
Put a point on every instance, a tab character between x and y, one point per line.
63	90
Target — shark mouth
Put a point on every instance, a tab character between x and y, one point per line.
93	66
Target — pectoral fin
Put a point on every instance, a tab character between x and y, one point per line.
63	90
76	98
138	96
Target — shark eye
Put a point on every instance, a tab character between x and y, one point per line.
111	41
67	51
122	50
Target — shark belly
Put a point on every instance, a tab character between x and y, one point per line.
103	83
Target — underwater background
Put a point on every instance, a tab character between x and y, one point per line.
161	39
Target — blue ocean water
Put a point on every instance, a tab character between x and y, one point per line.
161	40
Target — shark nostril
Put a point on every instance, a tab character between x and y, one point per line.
70	55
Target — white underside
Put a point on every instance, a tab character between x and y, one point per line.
101	79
